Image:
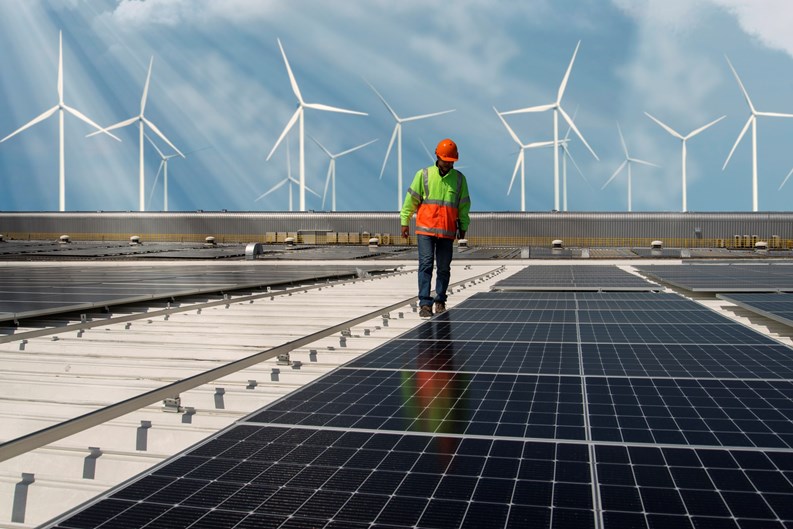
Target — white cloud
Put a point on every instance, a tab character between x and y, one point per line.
766	20
174	12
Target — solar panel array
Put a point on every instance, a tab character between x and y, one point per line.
574	277
737	277
513	409
27	292
778	307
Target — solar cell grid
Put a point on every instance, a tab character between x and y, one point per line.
575	277
778	307
646	333
398	480
724	278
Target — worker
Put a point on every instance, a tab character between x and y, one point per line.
439	197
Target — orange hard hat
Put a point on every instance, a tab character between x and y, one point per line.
447	150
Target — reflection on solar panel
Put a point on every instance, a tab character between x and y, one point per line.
725	277
778	307
462	423
31	292
575	277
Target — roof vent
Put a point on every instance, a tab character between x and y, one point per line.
374	241
210	241
135	239
64	239
761	247
290	242
656	245
462	244
253	249
2	238
557	243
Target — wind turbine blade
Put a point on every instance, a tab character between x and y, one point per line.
76	113
285	131
321	146
41	117
388	150
295	88
312	191
429	155
775	114
622	140
538	144
566	75
622	165
156	177
118	125
274	188
666	127
694	133
348	151
391	110
740	137
60	66
570	157
154	145
327	183
154	128
745	93
575	129
319	106
785	180
414	118
567	134
636	160
539	108
518	163
146	87
509	129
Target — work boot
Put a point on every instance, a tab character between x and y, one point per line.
425	311
440	307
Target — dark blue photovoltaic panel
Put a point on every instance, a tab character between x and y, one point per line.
469	356
726	413
268	476
689	360
724	278
512	409
778	307
574	277
439	402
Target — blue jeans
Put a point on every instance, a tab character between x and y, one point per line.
437	250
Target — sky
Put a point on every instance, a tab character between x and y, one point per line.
220	93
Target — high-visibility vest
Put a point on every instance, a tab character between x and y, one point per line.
439	202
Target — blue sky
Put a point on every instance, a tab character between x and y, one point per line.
219	87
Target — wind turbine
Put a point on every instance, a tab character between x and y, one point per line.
298	115
288	180
397	134
520	162
627	163
142	121
684	139
60	107
331	177
566	155
556	106
164	169
753	122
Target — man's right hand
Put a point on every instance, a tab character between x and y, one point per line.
405	232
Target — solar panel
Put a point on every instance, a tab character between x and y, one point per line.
778	307
767	277
669	416
27	292
574	277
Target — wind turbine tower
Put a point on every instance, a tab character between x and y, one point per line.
627	163
397	134
298	116
143	122
331	176
556	106
753	113
684	139
59	108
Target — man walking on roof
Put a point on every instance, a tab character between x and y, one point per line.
439	197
